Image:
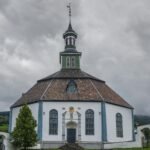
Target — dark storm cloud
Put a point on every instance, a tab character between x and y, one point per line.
119	45
113	35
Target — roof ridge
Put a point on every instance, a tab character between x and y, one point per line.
48	87
46	90
97	90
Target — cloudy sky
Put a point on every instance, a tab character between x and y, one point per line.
114	38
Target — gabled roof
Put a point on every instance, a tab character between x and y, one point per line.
89	89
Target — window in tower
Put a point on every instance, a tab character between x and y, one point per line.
73	41
72	62
67	62
66	41
71	87
70	40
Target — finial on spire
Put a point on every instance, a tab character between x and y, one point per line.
69	8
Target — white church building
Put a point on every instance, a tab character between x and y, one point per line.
71	106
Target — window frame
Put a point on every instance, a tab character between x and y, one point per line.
67	62
73	64
53	122
70	85
119	125
89	122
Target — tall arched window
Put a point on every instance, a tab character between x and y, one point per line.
73	62
70	40
66	41
89	122
68	62
53	122
119	125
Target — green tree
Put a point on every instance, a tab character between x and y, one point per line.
24	134
146	132
3	119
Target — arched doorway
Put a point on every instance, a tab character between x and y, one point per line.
71	120
71	131
2	146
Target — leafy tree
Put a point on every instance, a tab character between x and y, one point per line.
146	132
3	119
24	134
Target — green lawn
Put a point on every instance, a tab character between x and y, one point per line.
4	128
132	149
118	149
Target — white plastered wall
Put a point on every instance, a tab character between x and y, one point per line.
126	113
81	107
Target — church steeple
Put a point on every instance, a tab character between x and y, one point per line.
70	37
70	57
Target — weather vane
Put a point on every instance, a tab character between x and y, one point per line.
69	8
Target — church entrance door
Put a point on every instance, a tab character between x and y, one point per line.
71	135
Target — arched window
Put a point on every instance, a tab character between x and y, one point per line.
66	41
72	41
119	125
69	40
89	122
73	62
53	122
68	62
71	87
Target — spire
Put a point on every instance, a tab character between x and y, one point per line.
69	8
70	57
70	35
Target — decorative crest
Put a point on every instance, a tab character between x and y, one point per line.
69	8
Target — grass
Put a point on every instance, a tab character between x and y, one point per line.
132	148
4	128
116	149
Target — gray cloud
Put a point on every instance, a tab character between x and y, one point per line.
114	36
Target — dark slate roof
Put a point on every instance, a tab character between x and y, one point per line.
70	31
53	88
71	74
70	27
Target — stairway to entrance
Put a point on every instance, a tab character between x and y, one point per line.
71	147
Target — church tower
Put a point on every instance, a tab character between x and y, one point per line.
70	57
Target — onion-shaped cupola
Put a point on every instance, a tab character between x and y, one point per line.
70	57
70	37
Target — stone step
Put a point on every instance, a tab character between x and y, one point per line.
71	147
